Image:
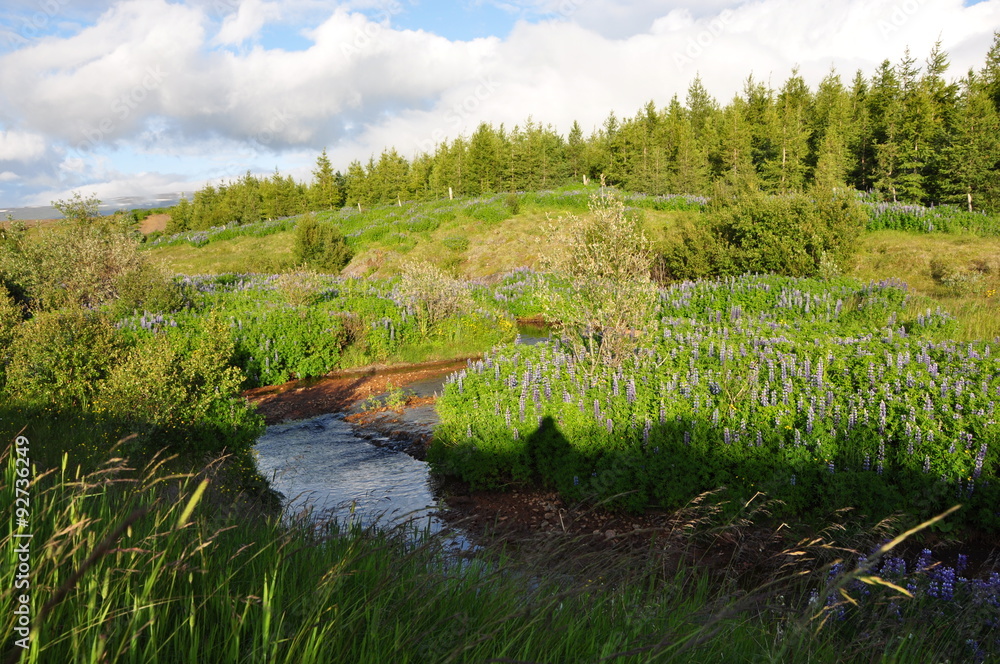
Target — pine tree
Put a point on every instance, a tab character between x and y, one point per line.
357	190
180	217
829	133
783	154
991	72
885	107
485	162
860	136
971	173
575	149
325	192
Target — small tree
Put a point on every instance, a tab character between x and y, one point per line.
321	246
431	294
604	310
79	209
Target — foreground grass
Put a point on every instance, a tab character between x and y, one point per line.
142	566
132	566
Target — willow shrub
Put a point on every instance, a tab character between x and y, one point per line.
789	234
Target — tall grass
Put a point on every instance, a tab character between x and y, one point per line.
136	565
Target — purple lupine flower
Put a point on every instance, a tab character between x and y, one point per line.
927	464
630	390
924	561
980	459
609	425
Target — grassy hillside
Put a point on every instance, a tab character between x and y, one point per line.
476	238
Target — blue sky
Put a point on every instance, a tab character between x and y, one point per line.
142	97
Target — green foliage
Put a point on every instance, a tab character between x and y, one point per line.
181	392
431	295
59	357
821	394
83	265
790	234
11	316
321	246
78	209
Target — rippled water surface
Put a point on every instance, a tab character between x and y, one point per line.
321	463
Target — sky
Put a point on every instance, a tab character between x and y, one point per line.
148	97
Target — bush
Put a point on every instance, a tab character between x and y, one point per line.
604	310
431	294
10	318
321	246
59	357
184	391
80	265
792	234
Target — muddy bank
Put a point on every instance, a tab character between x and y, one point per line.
341	391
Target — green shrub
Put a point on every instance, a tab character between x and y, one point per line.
182	391
321	246
59	357
10	317
513	203
792	234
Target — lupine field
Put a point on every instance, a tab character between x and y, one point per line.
822	394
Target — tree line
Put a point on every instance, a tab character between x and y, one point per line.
907	132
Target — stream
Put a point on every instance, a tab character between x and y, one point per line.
357	473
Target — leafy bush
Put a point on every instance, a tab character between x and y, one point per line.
10	317
321	246
602	312
183	392
431	294
59	357
790	234
83	265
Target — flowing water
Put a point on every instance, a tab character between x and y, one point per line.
320	463
356	474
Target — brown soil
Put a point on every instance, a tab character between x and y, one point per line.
153	223
337	392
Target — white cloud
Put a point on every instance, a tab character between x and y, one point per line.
247	21
169	79
21	146
9	176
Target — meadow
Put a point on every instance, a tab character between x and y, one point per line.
869	384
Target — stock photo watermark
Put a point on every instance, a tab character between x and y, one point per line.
460	112
696	45
371	33
121	108
899	16
34	24
21	542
